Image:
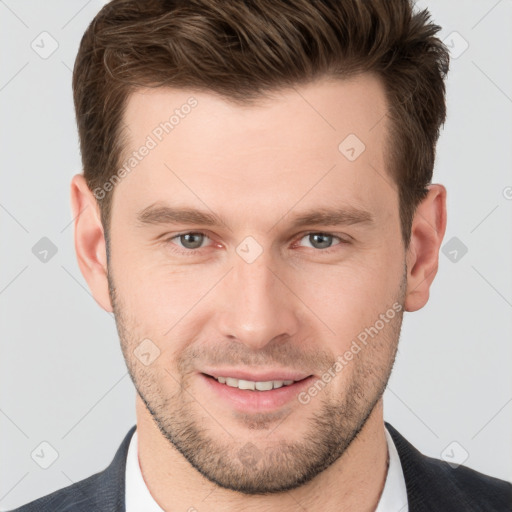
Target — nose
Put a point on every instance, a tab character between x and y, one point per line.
258	303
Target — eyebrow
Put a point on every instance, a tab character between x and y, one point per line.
156	214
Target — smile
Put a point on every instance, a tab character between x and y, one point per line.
252	385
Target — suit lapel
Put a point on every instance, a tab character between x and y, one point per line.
429	482
106	490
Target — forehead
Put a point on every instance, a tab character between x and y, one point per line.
324	142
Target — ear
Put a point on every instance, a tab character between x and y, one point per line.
90	241
427	232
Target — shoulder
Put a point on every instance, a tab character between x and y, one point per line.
68	498
102	491
436	484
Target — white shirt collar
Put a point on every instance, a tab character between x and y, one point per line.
138	497
394	494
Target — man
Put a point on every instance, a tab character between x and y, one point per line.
257	210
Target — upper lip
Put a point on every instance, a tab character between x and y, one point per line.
262	376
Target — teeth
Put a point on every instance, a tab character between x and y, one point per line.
249	384
264	386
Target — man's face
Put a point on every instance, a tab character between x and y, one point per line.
258	296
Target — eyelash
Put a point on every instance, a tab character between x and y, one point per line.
193	252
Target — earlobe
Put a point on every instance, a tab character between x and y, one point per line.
427	233
90	241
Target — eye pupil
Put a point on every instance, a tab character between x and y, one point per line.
324	240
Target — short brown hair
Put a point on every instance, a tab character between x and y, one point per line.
242	49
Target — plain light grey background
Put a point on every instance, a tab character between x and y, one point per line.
63	378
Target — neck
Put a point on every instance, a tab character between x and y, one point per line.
354	482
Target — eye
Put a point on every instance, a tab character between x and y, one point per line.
190	241
322	241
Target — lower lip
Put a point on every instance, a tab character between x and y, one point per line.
253	400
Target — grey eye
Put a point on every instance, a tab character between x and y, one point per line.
191	240
320	240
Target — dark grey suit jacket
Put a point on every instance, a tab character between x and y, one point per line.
432	486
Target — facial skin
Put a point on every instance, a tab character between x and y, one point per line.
295	307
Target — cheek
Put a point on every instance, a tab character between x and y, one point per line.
163	302
350	297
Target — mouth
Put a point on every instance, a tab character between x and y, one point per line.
252	385
255	395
